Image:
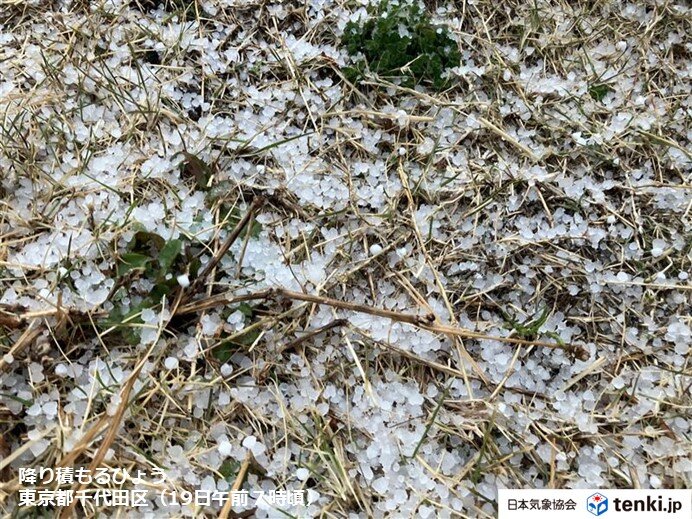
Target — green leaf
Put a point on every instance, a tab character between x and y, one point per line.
255	229
169	253
248	338
224	351
126	322
246	310
25	403
233	217
229	469
598	91
193	267
227	348
132	260
162	289
529	329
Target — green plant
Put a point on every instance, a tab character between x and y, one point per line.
398	40
530	329
232	343
150	256
598	91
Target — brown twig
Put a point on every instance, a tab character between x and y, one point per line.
425	322
227	510
32	331
313	333
256	204
9	320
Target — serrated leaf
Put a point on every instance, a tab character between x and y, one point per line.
420	56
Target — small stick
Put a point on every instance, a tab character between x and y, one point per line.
221	300
413	319
256	204
296	342
9	320
425	322
27	337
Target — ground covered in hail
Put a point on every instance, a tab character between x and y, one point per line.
243	245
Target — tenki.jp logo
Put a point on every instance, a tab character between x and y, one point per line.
597	504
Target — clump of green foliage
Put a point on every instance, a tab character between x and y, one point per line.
398	40
148	256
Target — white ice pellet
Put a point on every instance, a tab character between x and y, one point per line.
618	382
681	348
415	398
38	447
176	453
208	484
148	316
224	398
36	371
148	335
34	410
658	247
191	349
183	280
210	323
50	409
312	496
236	320
249	442
380	485
257	449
